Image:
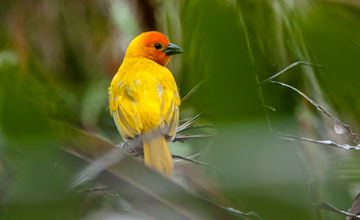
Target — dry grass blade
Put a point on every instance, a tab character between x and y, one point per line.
323	142
328	207
196	87
345	128
287	69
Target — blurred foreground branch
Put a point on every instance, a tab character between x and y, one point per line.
330	208
136	183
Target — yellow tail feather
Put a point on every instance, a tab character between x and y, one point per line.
157	155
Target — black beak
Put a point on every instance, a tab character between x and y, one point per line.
172	49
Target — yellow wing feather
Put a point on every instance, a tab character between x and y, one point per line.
143	96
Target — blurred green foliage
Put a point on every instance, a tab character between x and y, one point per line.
57	59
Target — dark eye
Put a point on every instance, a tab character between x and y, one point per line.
158	46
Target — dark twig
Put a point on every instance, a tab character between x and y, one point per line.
345	128
323	142
196	87
328	207
287	69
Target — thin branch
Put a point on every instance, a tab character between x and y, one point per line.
196	162
328	207
287	69
184	120
188	123
345	128
137	151
323	142
302	94
196	87
251	214
182	138
196	127
94	189
190	157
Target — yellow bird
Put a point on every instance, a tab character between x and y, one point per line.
144	99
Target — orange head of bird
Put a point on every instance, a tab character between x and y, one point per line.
153	45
